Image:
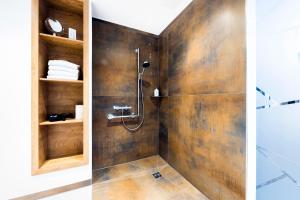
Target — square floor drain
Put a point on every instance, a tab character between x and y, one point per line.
156	175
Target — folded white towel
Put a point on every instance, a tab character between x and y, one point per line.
62	73
65	69
61	77
63	63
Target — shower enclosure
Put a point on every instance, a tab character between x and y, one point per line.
198	123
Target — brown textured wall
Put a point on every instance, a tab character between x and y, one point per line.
114	83
202	118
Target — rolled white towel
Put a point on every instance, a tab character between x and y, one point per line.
63	63
61	77
62	73
65	69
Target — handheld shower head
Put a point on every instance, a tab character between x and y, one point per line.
146	64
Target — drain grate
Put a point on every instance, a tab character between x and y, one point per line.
156	175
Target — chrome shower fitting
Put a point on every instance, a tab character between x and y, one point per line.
118	108
125	109
121	109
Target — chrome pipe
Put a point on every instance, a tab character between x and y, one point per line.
138	80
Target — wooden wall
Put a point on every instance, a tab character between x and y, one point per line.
115	83
203	114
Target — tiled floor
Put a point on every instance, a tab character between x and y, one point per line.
134	181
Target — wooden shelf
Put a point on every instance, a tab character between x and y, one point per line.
74	6
62	41
61	81
68	121
61	163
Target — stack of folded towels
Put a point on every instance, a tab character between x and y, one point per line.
61	69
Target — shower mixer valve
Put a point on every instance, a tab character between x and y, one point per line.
120	108
124	109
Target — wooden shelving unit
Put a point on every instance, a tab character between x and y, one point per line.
63	144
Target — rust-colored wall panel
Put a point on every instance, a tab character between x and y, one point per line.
163	64
163	127
202	71
115	61
206	49
114	83
112	143
207	143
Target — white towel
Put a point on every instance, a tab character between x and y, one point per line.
63	63
62	77
62	73
65	69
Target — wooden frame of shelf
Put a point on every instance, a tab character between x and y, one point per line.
67	121
61	81
57	40
63	144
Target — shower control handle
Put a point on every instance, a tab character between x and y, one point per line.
118	108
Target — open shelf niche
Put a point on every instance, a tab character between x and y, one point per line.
63	144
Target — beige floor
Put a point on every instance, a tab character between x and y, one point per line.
134	181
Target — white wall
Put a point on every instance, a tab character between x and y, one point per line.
15	106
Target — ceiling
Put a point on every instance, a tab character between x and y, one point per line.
151	16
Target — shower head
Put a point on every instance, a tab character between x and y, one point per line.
146	64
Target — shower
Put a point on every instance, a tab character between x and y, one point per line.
125	111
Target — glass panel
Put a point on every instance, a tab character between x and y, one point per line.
278	100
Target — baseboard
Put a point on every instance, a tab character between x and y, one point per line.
55	191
